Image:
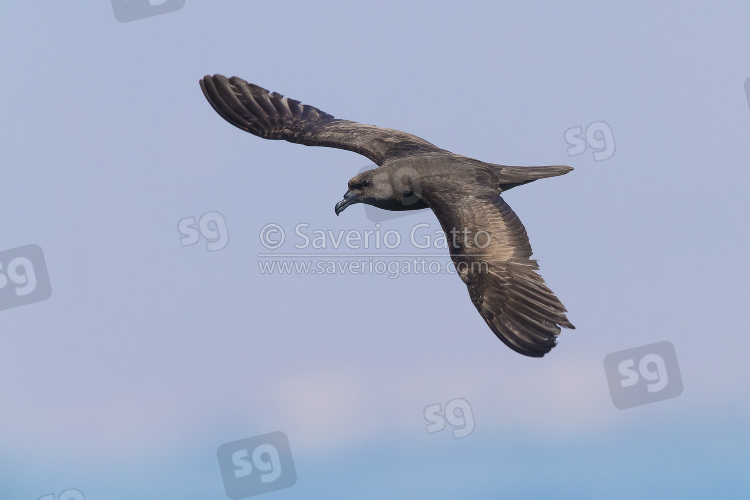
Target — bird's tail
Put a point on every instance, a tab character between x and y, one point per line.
524	175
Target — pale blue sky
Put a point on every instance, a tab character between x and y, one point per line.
148	355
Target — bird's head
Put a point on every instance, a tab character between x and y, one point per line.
381	188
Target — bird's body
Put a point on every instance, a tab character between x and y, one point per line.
488	243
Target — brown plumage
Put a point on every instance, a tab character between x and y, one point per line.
488	243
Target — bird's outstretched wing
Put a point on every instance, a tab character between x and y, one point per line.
491	252
273	116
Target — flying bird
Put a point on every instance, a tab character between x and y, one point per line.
488	243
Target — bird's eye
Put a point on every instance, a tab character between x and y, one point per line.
366	183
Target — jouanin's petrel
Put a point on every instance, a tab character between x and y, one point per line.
488	243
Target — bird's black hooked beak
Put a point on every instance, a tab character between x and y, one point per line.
350	198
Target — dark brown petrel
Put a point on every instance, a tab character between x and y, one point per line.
488	243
